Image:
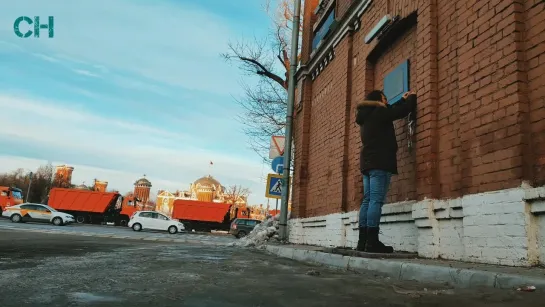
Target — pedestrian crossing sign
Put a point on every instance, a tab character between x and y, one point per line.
274	186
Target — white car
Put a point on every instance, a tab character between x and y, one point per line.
154	221
29	212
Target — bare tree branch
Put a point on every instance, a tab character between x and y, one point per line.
265	104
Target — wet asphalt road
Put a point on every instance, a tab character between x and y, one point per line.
125	232
70	270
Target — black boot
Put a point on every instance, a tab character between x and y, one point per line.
373	243
362	239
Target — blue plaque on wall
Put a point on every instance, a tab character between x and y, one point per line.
396	83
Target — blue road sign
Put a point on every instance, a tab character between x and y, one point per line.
278	164
274	186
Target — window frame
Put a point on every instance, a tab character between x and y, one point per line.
42	208
162	217
33	207
145	214
251	223
404	69
323	29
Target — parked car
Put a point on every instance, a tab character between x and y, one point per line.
29	212
153	220
241	227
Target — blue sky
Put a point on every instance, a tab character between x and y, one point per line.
129	87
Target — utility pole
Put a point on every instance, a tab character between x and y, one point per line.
29	184
283	229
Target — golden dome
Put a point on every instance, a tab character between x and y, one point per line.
207	181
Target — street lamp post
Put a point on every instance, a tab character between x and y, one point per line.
283	227
29	185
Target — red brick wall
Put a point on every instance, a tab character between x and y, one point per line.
477	68
301	125
341	7
142	193
404	184
492	107
327	121
534	13
448	111
369	76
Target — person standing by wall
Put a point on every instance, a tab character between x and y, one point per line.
378	161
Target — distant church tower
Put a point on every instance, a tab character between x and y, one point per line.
142	188
63	174
100	186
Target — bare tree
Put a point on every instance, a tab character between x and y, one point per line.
236	194
40	186
237	197
265	103
43	182
59	181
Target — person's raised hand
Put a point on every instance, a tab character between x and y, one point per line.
409	93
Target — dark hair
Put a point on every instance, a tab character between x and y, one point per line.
375	95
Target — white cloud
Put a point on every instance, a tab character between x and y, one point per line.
168	49
85	73
46	58
77	137
67	115
170	42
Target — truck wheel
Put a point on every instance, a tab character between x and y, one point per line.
80	219
123	222
16	218
172	230
57	221
241	234
137	227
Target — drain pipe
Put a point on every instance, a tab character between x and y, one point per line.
283	229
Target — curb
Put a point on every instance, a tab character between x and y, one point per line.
408	271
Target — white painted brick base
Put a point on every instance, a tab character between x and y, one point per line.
504	227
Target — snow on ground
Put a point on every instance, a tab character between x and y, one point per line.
262	233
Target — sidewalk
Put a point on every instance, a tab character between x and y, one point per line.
454	273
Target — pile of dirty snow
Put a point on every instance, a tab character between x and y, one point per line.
262	233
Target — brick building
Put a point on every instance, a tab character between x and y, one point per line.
100	185
142	189
471	186
63	174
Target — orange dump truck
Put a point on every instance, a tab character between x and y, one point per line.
10	196
202	216
130	205
90	206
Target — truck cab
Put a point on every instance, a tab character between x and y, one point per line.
10	196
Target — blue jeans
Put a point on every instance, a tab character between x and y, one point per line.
375	188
